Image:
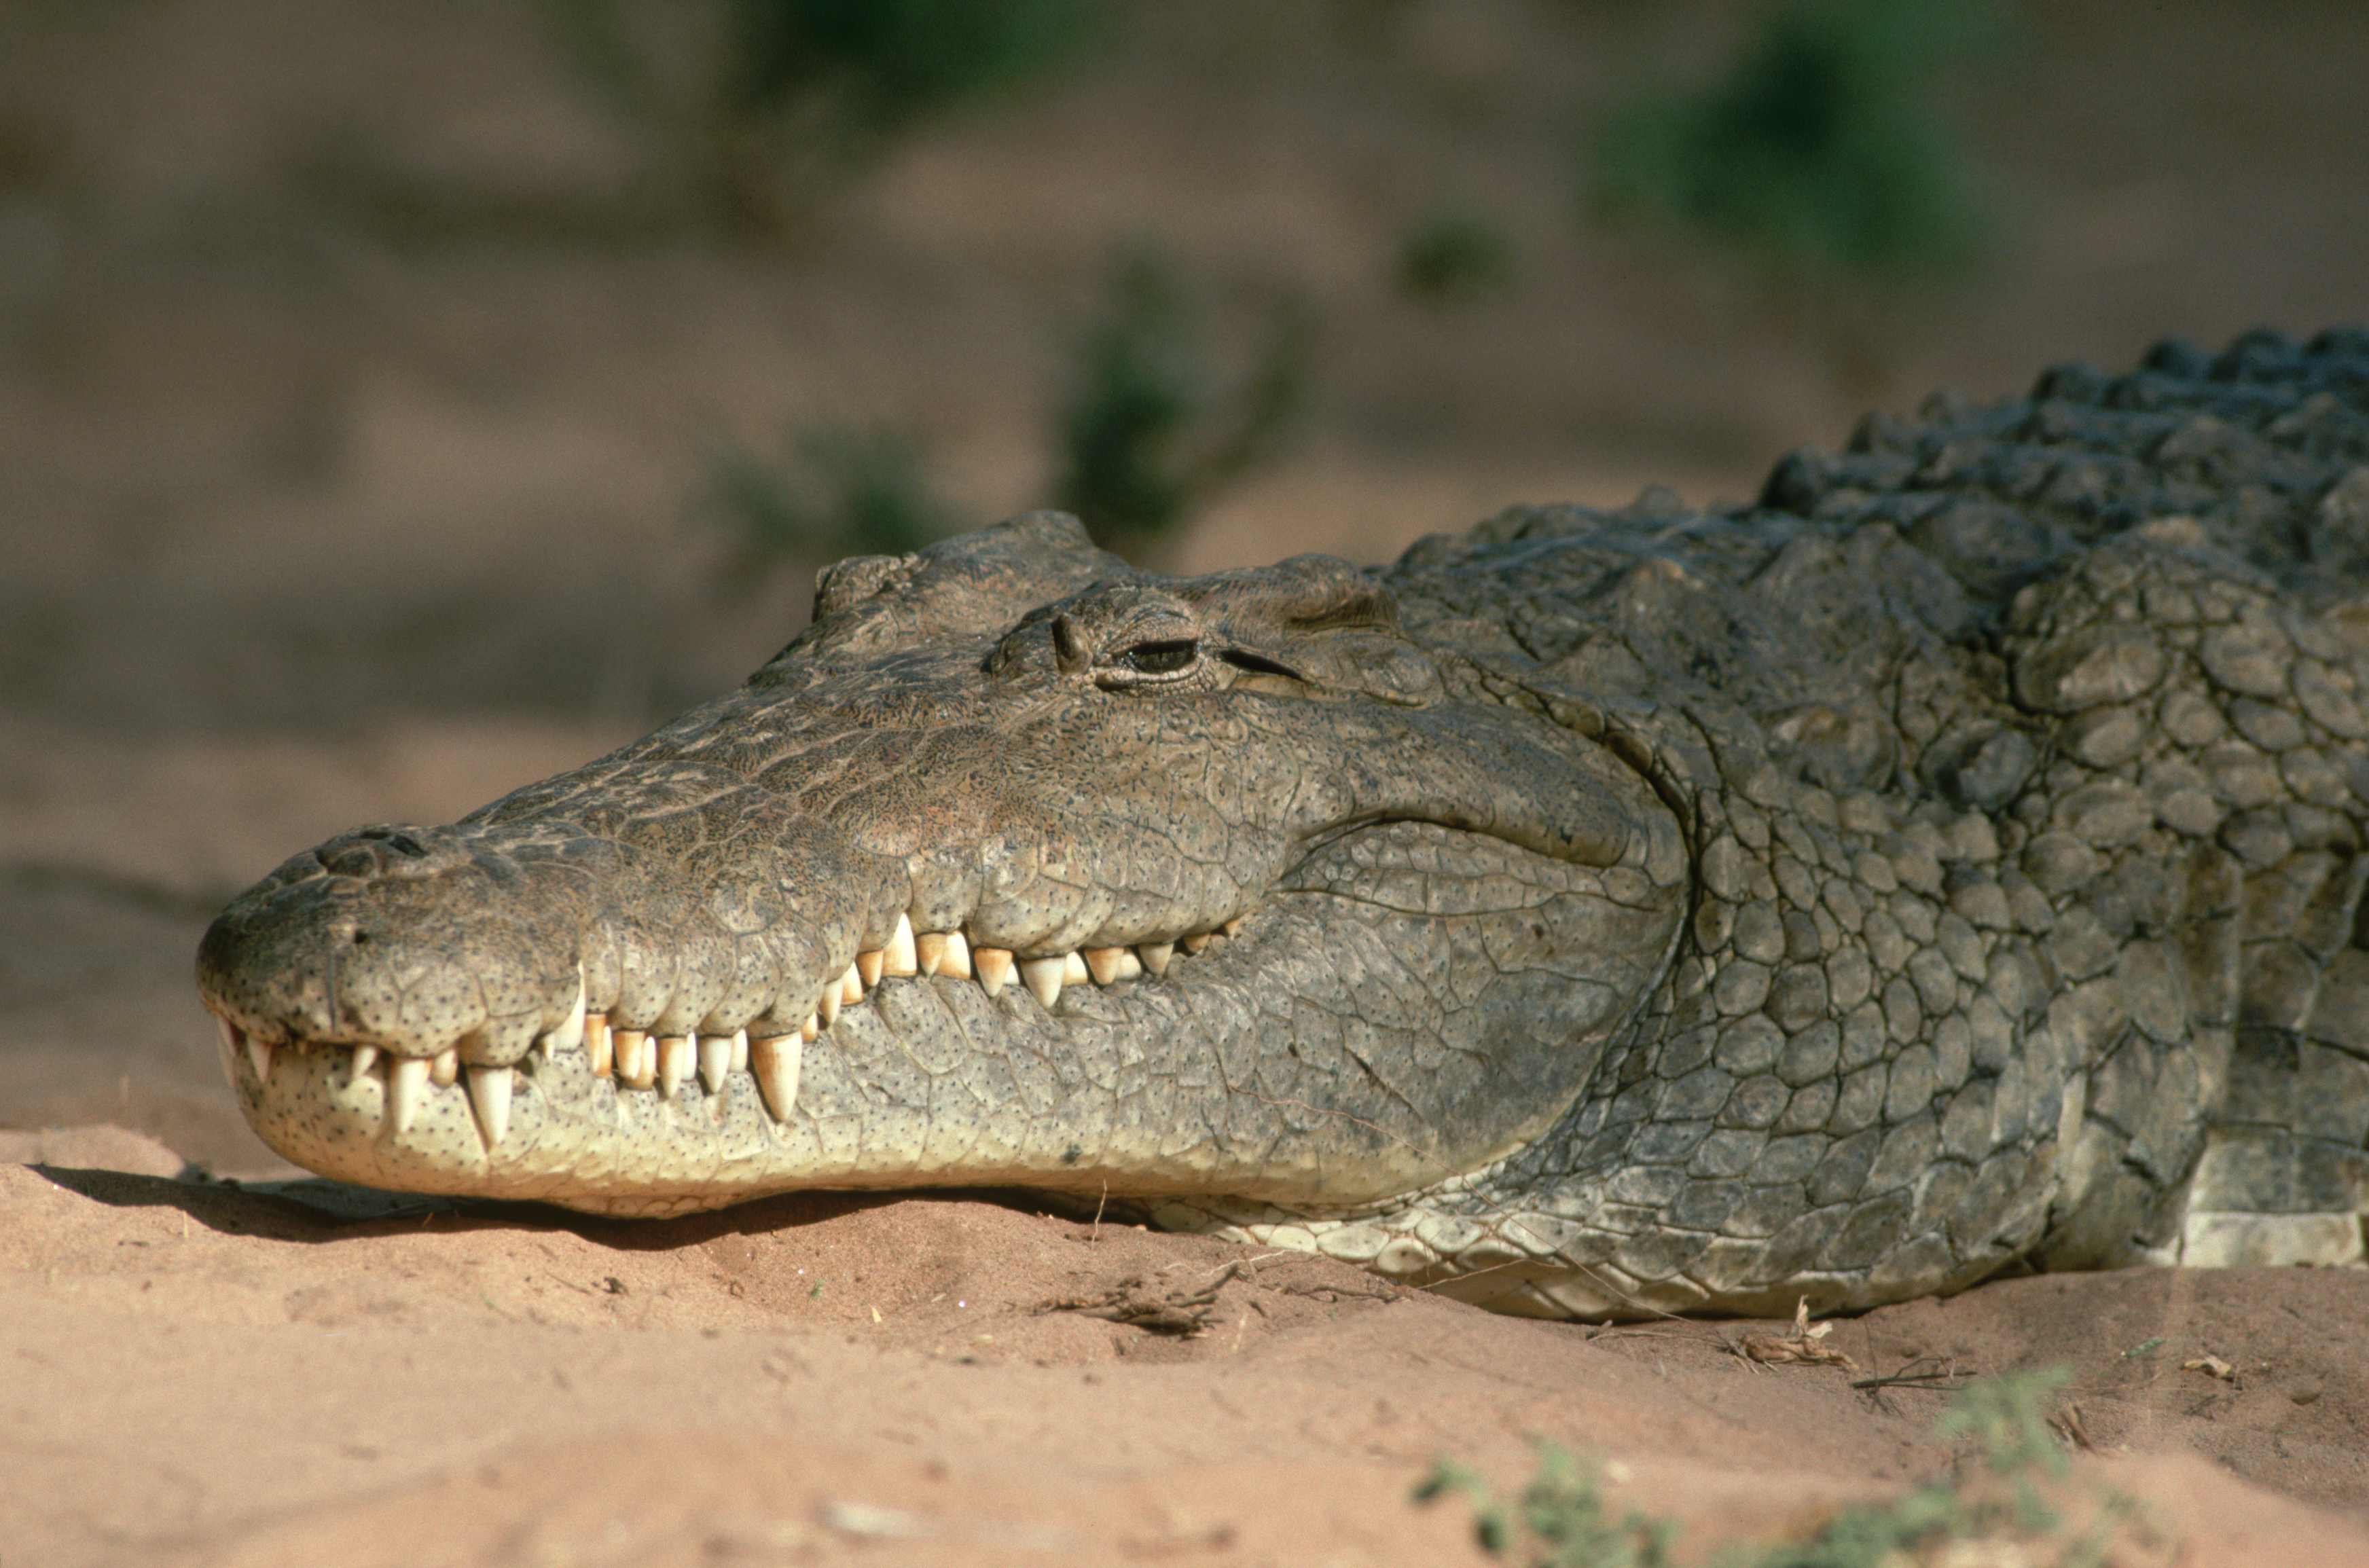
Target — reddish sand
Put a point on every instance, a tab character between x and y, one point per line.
203	1372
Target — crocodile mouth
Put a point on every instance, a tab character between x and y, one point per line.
1330	1047
662	1065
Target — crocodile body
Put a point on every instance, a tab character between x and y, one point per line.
1952	861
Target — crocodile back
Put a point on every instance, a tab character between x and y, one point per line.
2024	750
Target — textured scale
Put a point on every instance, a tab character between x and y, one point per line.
1951	861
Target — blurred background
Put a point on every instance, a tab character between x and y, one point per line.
401	401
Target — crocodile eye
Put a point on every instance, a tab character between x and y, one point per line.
1161	657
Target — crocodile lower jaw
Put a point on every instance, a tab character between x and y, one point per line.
663	1064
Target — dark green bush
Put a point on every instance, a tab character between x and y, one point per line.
1450	257
892	63
1143	438
1818	151
834	492
781	103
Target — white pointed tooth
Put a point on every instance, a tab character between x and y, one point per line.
1233	925
957	959
899	958
600	1046
827	1005
1194	943
851	984
774	1062
444	1067
715	1061
258	1051
1044	977
929	952
489	1096
1074	970
740	1062
570	1033
677	1059
1154	956
868	969
228	1033
1112	964
994	966
637	1063
365	1058
407	1091
806	1031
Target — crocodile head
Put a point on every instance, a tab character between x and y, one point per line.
1020	866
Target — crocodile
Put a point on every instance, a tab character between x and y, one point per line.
1950	862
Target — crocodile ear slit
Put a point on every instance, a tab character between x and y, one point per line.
1259	664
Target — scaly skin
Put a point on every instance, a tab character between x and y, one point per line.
1950	861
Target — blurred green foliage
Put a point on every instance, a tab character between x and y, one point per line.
777	103
1451	257
1143	438
892	65
834	492
1560	1521
1818	151
1992	1504
1141	441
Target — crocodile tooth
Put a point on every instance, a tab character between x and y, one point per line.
1194	943
715	1061
365	1058
600	1046
445	1067
489	1096
1045	977
258	1051
1232	925
851	984
774	1062
929	952
407	1091
899	958
869	968
1154	956
806	1031
739	1061
1102	962
570	1033
994	966
232	1041
677	1060
1074	970
957	959
827	1005
637	1064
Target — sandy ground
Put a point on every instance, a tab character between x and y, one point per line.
309	518
202	1373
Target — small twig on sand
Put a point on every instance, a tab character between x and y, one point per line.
1178	1312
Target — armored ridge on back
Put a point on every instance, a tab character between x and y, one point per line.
1952	861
